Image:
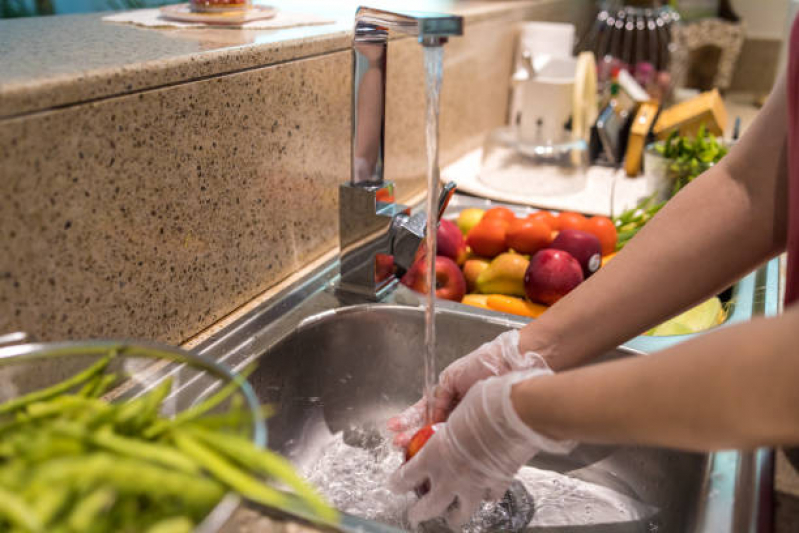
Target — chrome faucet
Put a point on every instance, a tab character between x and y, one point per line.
376	233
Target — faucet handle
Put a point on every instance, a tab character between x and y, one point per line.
407	232
447	192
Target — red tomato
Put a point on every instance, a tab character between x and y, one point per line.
571	220
418	440
499	213
604	230
487	238
548	218
527	236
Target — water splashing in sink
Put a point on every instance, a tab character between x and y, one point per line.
433	67
353	475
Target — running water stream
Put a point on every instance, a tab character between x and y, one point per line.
433	68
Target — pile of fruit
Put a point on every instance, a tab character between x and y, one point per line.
496	260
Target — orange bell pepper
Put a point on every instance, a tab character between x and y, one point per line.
514	306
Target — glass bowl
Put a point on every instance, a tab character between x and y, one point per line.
26	368
512	165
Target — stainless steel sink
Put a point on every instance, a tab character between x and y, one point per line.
331	364
349	370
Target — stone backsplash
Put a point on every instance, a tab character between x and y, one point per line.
155	214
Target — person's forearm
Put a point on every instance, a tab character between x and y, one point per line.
735	388
718	228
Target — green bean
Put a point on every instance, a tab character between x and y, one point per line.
232	420
242	483
102	385
49	501
58	388
128	413
87	389
201	408
18	513
178	524
131	476
266	462
86	510
152	402
64	404
147	451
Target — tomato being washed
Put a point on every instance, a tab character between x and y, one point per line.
418	440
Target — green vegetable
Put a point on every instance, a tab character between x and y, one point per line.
18	512
55	390
688	158
229	474
172	525
85	512
71	461
154	452
267	463
198	410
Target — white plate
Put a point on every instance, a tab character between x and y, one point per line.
183	12
605	189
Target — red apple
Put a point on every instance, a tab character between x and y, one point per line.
450	284
451	242
551	275
581	245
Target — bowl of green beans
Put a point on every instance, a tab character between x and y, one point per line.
113	436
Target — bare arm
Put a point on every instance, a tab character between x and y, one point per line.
717	229
735	388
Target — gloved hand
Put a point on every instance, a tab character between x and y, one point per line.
474	456
493	358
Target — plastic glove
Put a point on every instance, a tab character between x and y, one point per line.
474	456
493	358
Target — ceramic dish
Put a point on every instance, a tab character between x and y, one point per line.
184	13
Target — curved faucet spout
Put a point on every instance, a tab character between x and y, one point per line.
371	225
369	45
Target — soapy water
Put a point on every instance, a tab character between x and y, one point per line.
355	480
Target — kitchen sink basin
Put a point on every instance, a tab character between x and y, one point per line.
349	370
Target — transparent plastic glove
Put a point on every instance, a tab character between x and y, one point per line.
493	358
474	456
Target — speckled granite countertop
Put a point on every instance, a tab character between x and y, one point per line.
49	62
